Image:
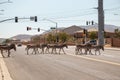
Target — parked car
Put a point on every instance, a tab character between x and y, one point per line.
19	45
93	42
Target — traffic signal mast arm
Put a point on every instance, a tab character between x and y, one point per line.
29	28
16	19
7	20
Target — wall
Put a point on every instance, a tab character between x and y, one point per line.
115	42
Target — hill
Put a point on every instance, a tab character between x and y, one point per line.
1	40
108	28
22	37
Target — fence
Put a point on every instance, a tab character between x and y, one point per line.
115	42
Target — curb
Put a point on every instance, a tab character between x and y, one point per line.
115	49
4	74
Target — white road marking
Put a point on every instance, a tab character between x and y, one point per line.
98	60
5	73
108	55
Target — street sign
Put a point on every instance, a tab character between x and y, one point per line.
32	18
52	28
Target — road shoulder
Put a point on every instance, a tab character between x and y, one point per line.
4	73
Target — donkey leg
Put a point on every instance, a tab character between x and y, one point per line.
2	53
8	53
36	51
81	51
95	52
76	51
55	51
90	52
85	51
63	51
59	50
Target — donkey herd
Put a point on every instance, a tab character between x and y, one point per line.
52	48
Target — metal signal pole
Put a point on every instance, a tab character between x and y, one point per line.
100	23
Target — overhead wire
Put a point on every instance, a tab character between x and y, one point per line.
75	13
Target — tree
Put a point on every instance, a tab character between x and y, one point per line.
117	33
63	37
60	37
92	35
51	38
7	41
35	39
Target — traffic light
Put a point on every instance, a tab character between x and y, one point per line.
86	22
28	28
38	29
92	22
84	31
16	19
35	18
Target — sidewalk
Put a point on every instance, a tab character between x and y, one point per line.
109	47
112	48
4	74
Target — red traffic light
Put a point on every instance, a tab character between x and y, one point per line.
28	28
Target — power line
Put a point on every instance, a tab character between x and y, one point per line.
66	12
74	15
112	9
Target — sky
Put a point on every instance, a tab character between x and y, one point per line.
64	12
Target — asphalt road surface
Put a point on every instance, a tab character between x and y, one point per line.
64	66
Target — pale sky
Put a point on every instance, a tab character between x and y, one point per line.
64	12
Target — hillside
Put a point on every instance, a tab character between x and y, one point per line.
72	29
108	28
22	37
1	40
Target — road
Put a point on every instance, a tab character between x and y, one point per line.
64	67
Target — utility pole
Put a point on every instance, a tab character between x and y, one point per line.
100	23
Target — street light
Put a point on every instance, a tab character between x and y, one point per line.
6	2
56	24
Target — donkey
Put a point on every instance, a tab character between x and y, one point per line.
79	48
34	47
97	48
43	46
60	47
50	46
7	48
